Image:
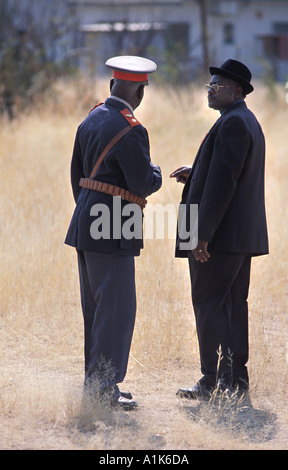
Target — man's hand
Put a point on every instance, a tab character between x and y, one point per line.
200	253
181	174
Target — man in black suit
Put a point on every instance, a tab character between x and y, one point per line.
226	181
106	227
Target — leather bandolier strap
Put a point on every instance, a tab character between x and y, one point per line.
112	190
90	183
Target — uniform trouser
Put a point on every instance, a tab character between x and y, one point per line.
108	298
219	290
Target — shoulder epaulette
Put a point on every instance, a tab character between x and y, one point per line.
130	117
96	106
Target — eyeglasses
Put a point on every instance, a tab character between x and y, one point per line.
216	87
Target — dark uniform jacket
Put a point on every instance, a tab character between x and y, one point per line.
127	166
227	182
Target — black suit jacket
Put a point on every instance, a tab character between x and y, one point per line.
127	165
227	183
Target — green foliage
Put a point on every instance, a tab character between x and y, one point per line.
34	38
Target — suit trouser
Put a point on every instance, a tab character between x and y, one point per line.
108	298
219	290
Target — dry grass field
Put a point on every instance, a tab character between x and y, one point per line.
41	331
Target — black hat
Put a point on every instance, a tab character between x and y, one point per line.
237	71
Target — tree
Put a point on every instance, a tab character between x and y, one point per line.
204	32
35	38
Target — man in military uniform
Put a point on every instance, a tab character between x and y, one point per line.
111	175
226	181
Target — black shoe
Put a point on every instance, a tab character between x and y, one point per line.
126	395
202	390
125	404
197	392
223	386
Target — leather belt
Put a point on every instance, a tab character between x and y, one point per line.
112	190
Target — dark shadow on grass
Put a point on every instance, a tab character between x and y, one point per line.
234	415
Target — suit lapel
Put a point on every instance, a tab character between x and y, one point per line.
240	104
202	143
187	184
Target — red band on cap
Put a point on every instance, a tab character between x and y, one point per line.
131	77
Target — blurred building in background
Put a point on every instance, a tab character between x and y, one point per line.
42	40
185	36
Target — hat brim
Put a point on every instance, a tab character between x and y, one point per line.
131	64
247	87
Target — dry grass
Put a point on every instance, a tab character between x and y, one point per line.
41	324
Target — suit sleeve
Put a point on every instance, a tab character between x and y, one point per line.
142	176
228	159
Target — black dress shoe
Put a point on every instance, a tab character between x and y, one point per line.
125	404
197	392
126	395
